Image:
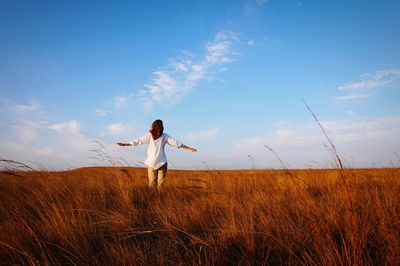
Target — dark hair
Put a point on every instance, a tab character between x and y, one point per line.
157	129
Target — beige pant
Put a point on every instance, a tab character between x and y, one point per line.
157	176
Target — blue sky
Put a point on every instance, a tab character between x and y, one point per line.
226	77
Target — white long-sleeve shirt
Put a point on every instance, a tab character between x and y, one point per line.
155	151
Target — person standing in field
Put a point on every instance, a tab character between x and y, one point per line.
156	161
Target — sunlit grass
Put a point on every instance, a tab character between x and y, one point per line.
108	216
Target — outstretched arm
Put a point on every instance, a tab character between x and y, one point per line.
136	142
173	142
188	148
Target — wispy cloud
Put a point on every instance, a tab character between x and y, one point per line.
25	120
361	137
121	101
30	134
218	51
296	135
120	129
102	112
354	97
369	82
31	106
71	127
71	135
28	130
201	135
379	79
173	82
10	105
115	129
114	105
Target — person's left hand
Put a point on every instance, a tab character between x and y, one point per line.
123	144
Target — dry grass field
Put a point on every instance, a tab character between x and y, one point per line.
107	216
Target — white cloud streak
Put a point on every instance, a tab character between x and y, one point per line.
71	134
121	102
28	136
354	97
369	82
173	82
71	127
102	112
115	129
302	143
218	51
114	105
31	106
28	130
120	129
377	80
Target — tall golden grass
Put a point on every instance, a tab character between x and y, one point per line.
108	216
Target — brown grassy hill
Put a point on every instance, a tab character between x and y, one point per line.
107	216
